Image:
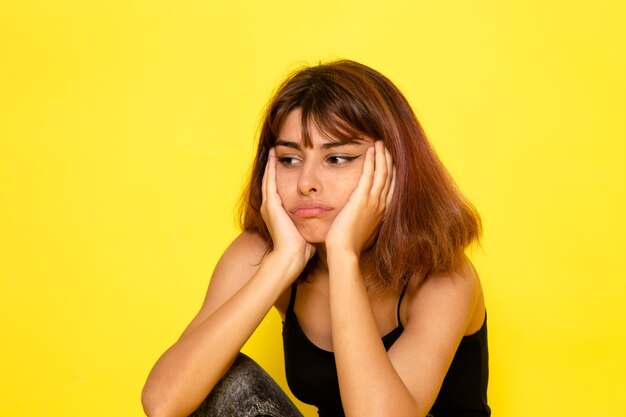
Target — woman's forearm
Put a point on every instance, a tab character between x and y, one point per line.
186	373
368	382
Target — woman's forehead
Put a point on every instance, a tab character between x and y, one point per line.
315	132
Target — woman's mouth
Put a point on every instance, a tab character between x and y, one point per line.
310	210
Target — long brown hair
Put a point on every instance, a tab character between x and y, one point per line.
429	222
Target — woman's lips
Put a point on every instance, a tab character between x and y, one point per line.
310	210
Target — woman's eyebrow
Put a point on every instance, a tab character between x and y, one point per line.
329	145
288	144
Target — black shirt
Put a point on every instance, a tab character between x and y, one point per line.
312	372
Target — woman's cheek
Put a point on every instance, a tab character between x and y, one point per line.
282	179
350	179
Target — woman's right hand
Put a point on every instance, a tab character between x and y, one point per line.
286	238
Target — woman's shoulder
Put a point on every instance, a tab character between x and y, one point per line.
463	278
248	240
239	261
248	248
456	294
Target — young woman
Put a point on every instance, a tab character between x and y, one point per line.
354	231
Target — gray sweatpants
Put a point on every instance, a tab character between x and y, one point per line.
247	391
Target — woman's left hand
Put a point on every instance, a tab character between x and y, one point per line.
358	220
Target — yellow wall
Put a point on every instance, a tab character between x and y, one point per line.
126	130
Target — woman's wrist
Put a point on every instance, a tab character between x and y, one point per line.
286	264
340	251
341	258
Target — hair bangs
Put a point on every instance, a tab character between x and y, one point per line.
326	116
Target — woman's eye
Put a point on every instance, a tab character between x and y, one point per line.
340	159
287	160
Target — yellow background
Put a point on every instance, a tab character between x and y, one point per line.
127	129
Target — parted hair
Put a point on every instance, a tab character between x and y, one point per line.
428	224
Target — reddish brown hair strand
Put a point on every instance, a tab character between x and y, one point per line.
429	222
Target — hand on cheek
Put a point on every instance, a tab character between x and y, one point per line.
364	211
285	236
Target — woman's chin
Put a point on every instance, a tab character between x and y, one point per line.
313	236
315	240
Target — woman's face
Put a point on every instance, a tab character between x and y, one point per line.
315	183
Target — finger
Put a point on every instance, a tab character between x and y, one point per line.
389	178
309	251
380	171
392	188
264	181
271	174
367	176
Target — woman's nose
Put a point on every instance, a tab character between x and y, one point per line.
309	181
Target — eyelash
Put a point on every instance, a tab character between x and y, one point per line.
285	160
346	158
288	160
